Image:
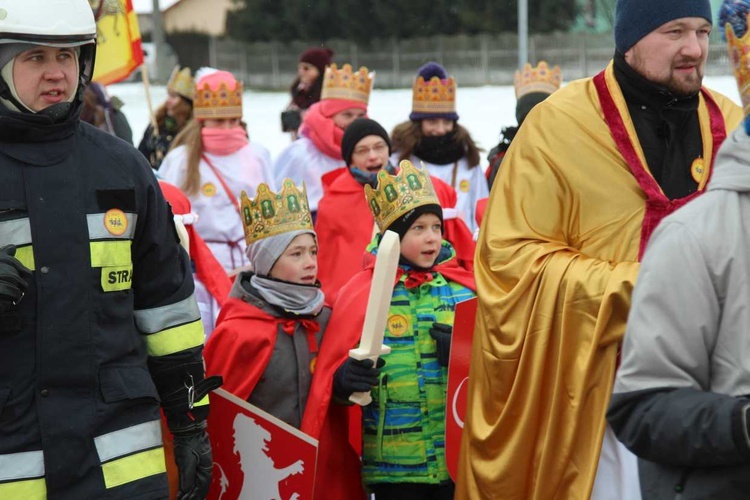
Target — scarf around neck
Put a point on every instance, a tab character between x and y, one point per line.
323	132
365	178
440	150
223	142
292	297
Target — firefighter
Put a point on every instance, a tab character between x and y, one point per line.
98	323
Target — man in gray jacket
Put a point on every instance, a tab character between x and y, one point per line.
681	397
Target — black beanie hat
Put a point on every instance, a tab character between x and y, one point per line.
526	102
358	130
635	19
403	223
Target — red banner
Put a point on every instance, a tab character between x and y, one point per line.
458	379
257	456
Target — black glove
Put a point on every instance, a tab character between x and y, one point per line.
355	376
192	454
13	284
442	335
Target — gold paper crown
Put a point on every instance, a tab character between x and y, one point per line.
397	194
739	54
272	213
345	84
224	102
433	96
539	79
182	82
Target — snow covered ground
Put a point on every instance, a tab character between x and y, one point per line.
483	110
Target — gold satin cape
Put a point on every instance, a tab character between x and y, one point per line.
556	262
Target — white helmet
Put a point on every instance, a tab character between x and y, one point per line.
47	22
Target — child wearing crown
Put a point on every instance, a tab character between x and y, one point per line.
433	136
343	99
366	149
171	117
269	332
212	160
532	86
404	427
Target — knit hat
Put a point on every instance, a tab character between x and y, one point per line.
635	19
358	130
218	95
264	253
320	57
433	94
401	225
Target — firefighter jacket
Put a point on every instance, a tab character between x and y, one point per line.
107	322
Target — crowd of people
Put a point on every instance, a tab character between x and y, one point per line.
608	231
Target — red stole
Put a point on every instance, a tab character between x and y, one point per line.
658	205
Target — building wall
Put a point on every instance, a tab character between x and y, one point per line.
200	16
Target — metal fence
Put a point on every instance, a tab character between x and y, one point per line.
472	60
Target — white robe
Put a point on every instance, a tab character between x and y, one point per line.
302	161
470	185
219	222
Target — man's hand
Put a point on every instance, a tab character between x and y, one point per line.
192	453
14	278
441	332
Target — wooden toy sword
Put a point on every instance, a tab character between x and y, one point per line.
379	301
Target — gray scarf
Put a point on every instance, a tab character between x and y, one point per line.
293	297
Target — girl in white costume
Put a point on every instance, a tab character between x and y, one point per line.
433	137
344	98
212	161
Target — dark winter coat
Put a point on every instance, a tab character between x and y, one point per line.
108	313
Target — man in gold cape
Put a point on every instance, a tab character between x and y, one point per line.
588	177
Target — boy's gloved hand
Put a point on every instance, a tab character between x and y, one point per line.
441	332
355	376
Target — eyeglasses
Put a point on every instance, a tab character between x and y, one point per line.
364	150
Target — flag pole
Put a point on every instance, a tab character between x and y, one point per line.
147	88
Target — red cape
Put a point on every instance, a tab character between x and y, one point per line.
481	207
207	268
239	350
344	228
346	324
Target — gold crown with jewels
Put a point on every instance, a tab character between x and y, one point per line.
224	102
269	213
395	195
433	96
739	54
539	79
344	83
181	81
